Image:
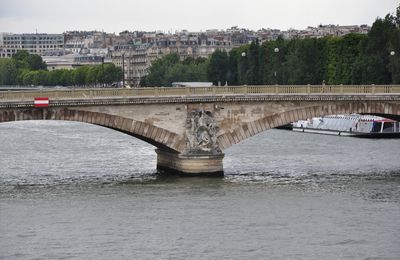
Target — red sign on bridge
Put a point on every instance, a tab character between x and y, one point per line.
41	102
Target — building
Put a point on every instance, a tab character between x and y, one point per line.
71	61
133	60
37	43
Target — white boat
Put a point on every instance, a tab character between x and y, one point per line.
350	125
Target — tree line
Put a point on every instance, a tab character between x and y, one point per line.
29	69
356	59
170	69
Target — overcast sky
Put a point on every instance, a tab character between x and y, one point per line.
57	16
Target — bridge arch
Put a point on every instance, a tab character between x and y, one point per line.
246	130
159	137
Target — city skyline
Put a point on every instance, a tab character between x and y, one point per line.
46	16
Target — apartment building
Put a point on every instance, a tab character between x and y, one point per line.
133	60
37	43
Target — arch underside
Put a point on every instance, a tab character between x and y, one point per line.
246	130
160	138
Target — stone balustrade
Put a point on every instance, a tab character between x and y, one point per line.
104	93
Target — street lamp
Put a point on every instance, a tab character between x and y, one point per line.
276	50
243	67
392	53
123	69
102	71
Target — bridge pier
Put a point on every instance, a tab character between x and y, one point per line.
208	165
202	155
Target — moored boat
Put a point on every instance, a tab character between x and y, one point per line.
350	125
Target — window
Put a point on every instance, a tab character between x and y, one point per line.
388	127
376	127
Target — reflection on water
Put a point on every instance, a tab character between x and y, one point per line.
72	190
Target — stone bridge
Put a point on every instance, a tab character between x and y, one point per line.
191	127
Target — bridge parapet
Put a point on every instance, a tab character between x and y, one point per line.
57	94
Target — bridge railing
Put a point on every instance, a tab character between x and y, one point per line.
77	94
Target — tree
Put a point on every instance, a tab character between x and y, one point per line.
217	70
8	72
255	64
80	76
372	63
13	70
240	58
21	75
347	49
66	78
232	73
55	77
25	60
250	60
394	50
91	76
40	78
394	59
159	68
170	69
28	78
19	70
275	55
110	73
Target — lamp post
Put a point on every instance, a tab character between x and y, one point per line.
276	50
102	72
243	67
123	69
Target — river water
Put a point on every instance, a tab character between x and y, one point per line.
77	191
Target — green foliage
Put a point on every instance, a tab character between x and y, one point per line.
82	76
239	57
79	76
374	64
29	69
250	63
346	52
275	62
8	72
232	73
22	60
255	64
217	70
352	59
92	76
170	69
25	60
110	73
159	69
310	65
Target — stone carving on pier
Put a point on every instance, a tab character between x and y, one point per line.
201	131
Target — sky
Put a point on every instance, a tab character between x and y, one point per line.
57	16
